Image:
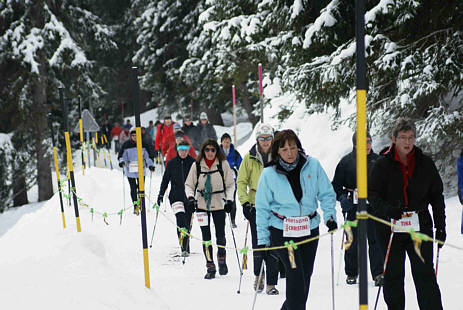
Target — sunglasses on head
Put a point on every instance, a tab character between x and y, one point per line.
265	138
207	149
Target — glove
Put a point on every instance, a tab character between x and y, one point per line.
121	164
192	203
394	212
346	205
151	168
247	211
156	153
440	235
160	199
332	225
228	206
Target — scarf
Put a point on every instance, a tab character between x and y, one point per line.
288	166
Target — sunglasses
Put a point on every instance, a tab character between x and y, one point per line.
265	138
213	150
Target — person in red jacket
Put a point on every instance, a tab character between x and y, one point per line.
164	130
179	137
114	134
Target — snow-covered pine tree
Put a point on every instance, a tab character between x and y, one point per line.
46	45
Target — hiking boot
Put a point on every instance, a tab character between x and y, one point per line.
351	280
210	271
259	285
234	224
379	280
136	210
271	290
185	254
223	269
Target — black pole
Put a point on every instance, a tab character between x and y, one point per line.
362	214
141	180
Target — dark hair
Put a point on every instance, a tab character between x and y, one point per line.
187	116
218	154
179	134
225	136
354	137
403	124
280	140
183	143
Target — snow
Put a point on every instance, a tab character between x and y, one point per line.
43	265
326	19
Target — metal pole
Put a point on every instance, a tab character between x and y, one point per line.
141	180
81	138
69	158
332	270
234	115
261	95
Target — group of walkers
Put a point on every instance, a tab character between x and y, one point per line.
281	189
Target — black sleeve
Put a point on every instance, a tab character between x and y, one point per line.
338	180
436	198
165	179
377	182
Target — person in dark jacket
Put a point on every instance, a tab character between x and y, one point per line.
345	186
148	142
234	160
128	160
106	131
206	130
402	183
460	184
191	131
176	173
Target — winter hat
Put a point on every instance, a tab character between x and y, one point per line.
203	115
167	117
354	138
133	131
263	129
225	136
179	134
176	127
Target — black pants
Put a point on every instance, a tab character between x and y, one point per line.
133	188
270	257
183	220
374	252
427	289
219	222
298	279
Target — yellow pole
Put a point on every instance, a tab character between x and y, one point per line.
71	174
59	185
104	152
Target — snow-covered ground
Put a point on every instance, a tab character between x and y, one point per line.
43	265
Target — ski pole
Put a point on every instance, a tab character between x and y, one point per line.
385	264
188	240
259	279
245	241
332	269
154	227
151	179
340	257
234	242
123	188
437	259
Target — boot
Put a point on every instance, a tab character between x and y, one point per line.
136	210
379	280
271	290
259	285
210	271
221	260
351	280
234	224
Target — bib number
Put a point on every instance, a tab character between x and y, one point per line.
133	167
296	226
203	219
408	221
178	207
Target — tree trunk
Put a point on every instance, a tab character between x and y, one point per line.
247	105
214	116
19	189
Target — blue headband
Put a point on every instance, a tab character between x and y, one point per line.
183	147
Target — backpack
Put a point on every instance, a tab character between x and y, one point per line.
198	173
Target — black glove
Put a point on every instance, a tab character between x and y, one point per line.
441	236
121	164
192	203
228	206
346	205
331	224
156	153
160	199
247	210
394	212
151	168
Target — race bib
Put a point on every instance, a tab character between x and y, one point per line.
133	167
178	207
116	138
356	197
203	219
409	221
296	226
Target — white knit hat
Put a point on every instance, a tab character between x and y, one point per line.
203	115
263	129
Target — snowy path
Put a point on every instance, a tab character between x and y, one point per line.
43	265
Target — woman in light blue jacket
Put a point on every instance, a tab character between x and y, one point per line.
287	200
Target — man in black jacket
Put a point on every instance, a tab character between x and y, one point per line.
176	173
345	184
403	183
205	129
191	131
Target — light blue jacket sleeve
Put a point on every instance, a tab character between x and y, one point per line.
264	197
326	194
148	161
